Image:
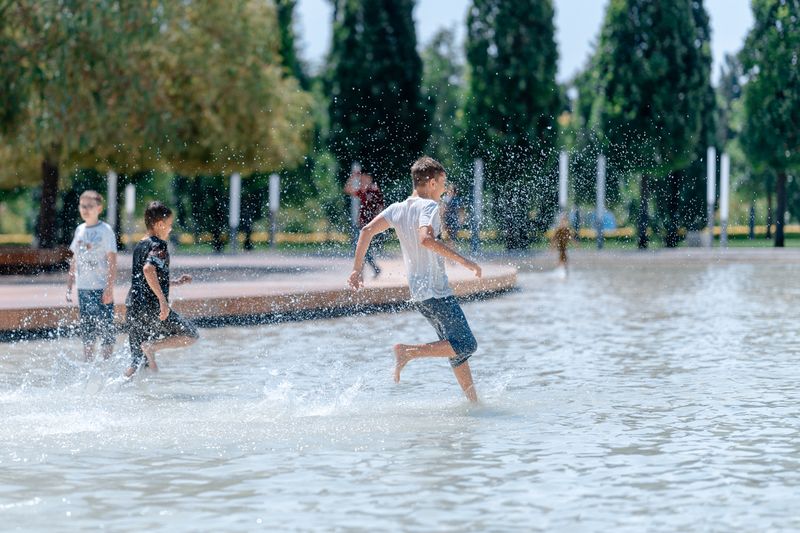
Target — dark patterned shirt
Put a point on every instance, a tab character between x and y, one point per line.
141	298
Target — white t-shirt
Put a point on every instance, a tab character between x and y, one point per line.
90	246
426	274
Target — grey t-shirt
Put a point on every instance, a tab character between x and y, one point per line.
426	274
91	244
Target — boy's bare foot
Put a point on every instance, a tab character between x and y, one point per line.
151	359
129	372
401	357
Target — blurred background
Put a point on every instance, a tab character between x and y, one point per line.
660	123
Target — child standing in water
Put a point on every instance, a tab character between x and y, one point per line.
561	238
418	225
152	325
94	267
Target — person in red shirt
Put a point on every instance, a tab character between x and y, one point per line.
361	185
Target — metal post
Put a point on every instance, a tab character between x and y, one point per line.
130	205
563	176
600	210
111	199
711	183
752	222
274	205
234	210
724	197
477	206
355	203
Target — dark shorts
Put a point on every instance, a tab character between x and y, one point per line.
146	327
447	318
96	318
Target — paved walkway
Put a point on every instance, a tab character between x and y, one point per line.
241	288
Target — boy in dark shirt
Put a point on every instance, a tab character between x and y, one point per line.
152	325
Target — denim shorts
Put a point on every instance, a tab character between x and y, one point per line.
96	318
146	327
447	318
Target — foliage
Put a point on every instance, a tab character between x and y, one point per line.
377	114
511	108
653	67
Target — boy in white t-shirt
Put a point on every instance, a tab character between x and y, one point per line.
418	225
94	267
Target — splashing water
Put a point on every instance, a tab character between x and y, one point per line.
611	401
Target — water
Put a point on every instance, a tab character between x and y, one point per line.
627	398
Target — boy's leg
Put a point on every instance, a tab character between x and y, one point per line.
88	311
403	353
108	331
464	378
175	332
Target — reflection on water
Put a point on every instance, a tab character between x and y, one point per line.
658	398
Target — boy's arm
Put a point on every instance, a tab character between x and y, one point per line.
429	241
378	225
70	278
108	293
150	275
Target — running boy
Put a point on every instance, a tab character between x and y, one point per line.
152	325
418	225
94	267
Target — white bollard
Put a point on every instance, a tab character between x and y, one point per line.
355	203
477	206
724	197
130	206
563	176
111	199
600	209
274	205
234	210
711	185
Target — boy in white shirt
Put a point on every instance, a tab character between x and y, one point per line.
94	266
418	225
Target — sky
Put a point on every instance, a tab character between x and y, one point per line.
577	27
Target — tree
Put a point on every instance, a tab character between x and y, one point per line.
771	136
511	107
444	87
195	87
377	114
653	69
681	199
74	87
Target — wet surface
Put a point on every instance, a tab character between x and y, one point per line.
627	398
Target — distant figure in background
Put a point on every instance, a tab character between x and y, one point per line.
562	236
152	325
94	267
361	185
453	210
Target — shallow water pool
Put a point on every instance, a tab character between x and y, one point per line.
628	398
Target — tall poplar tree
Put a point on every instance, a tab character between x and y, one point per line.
377	113
771	57
511	110
653	71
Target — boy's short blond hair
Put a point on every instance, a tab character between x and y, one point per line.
92	195
424	169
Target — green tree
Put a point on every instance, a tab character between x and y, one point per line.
771	136
681	198
377	113
511	107
75	94
444	87
653	67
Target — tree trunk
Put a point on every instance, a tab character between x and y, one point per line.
46	227
643	212
673	204
780	214
769	213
